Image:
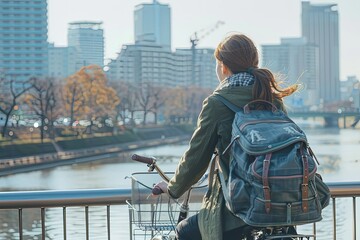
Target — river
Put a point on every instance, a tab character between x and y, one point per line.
337	151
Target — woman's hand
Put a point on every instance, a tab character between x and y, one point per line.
160	188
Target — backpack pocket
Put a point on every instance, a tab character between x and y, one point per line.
281	213
239	193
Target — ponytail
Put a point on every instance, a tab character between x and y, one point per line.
267	88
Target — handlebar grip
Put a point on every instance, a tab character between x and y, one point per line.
157	190
142	159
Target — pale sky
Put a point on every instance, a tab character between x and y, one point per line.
265	21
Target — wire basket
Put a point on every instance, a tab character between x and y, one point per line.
155	214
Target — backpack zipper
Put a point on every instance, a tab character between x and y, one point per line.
242	126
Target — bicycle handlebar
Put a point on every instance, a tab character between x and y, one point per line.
151	163
142	159
157	190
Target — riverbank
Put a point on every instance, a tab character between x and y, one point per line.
92	149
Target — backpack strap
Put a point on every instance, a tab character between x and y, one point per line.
305	184
265	180
223	184
211	173
227	103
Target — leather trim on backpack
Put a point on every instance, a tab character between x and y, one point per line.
265	180
305	185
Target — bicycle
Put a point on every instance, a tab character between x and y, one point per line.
149	220
156	216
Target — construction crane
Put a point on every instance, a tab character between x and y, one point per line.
194	40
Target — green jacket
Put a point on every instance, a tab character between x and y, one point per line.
213	132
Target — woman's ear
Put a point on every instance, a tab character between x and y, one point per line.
225	70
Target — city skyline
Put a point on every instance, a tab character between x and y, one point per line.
118	23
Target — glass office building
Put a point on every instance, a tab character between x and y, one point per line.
152	23
87	39
23	39
320	26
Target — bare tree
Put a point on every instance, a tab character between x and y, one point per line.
11	91
193	101
127	105
42	101
159	99
132	101
145	99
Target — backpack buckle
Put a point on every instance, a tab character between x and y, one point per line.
304	191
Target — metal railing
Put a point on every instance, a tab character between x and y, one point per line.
107	197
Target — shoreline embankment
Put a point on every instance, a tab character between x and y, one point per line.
62	157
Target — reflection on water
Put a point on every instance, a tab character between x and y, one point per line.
329	163
335	149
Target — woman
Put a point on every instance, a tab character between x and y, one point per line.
241	81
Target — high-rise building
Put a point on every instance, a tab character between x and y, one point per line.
61	61
23	39
297	62
320	26
151	60
87	39
152	23
204	69
150	63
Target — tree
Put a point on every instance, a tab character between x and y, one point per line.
11	91
193	102
175	107
159	96
42	100
72	96
184	103
88	96
128	103
150	98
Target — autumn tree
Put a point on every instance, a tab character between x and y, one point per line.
11	91
72	97
88	93
175	106
184	103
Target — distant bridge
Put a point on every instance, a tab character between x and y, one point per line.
331	118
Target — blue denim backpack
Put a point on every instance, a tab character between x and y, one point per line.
272	179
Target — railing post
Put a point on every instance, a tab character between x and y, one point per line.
20	224
43	223
87	221
108	220
334	218
64	222
354	220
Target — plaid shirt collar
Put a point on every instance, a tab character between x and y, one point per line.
238	79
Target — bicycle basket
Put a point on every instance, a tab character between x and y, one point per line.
154	213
